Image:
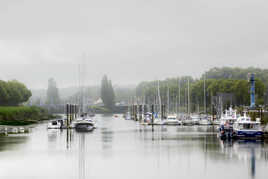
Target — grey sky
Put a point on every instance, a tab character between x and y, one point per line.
131	41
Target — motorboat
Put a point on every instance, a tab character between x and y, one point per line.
230	116
84	123
196	119
244	127
21	130
205	121
128	116
172	120
55	124
226	123
216	122
187	121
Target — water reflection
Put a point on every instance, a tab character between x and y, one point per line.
12	142
81	156
244	150
124	149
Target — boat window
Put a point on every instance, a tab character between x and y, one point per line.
54	123
249	126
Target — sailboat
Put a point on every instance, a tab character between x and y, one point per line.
84	123
157	115
204	119
188	120
171	119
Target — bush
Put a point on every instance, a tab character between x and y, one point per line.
21	115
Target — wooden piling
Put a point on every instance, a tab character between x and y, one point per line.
140	113
67	114
152	117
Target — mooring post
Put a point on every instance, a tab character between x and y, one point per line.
72	111
135	112
67	114
75	108
140	113
152	117
161	112
132	112
70	108
70	114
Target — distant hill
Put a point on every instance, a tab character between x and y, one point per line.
237	73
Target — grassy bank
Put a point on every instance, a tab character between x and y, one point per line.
105	110
22	115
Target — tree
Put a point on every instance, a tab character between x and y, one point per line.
107	93
52	92
13	93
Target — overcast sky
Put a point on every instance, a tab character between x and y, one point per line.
129	40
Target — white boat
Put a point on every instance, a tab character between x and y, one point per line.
230	116
205	121
55	124
21	130
187	121
84	123
216	122
14	130
244	127
172	120
196	119
128	116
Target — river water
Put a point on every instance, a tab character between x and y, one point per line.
123	149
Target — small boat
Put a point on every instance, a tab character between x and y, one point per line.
196	119
245	128
21	130
13	130
205	121
55	124
128	116
216	122
84	124
172	120
187	120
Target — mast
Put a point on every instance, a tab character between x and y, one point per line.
159	97
188	97
179	94
168	100
176	106
205	105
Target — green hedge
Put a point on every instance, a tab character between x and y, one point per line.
22	115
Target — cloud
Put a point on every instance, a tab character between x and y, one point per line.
131	41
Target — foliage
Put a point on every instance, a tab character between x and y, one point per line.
107	93
238	88
13	93
52	93
22	115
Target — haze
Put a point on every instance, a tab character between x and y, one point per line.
130	41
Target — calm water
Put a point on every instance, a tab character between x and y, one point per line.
122	149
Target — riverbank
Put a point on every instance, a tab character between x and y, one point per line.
22	115
105	110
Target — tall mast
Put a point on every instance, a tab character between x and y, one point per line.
205	105
159	97
168	100
176	111
179	94
188	98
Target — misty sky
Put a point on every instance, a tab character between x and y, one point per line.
129	40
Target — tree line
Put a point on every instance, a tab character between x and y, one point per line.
217	83
13	93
